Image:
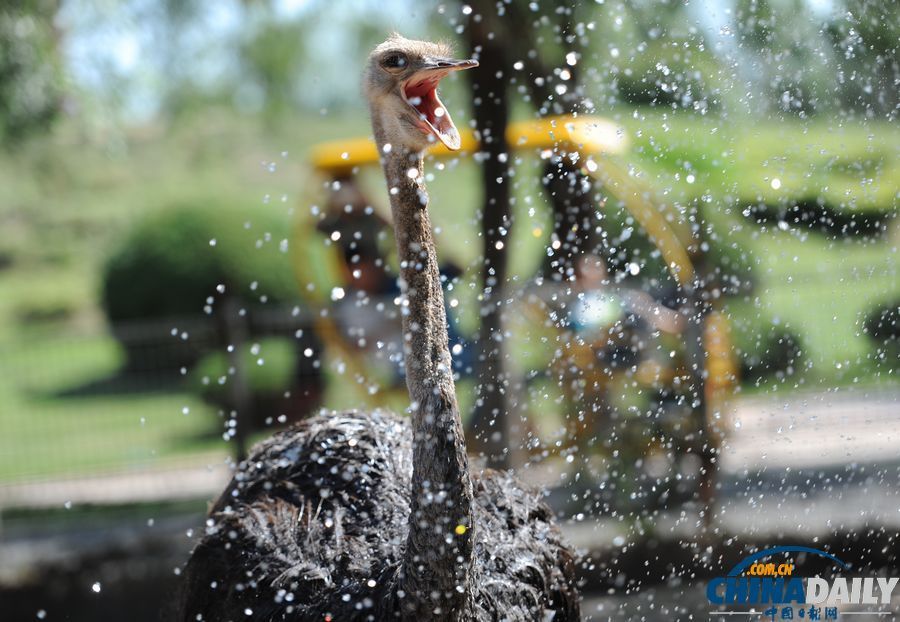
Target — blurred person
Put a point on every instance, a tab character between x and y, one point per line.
367	314
612	339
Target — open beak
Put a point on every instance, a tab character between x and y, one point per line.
420	92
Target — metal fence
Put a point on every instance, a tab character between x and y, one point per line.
145	410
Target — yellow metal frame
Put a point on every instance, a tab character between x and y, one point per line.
590	141
590	135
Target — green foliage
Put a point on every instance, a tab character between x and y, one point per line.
177	257
30	73
883	322
765	347
865	38
838	182
731	263
672	73
282	383
271	366
272	59
882	326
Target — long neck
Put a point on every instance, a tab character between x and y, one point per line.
438	556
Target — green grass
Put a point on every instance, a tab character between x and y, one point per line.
823	291
45	432
66	201
819	285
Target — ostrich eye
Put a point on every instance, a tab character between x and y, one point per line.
394	62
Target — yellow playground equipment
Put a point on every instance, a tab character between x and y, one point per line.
587	141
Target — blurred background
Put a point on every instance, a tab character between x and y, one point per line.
688	336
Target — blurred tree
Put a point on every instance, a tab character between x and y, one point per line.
514	42
180	254
490	111
657	55
866	37
672	73
30	70
783	42
173	23
272	58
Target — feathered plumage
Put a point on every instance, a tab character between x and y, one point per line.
322	538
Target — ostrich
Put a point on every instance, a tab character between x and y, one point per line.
368	516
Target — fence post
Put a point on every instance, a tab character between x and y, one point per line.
233	325
698	307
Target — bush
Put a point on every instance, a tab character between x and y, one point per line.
816	214
271	364
882	325
837	183
670	74
731	265
174	259
280	379
31	85
766	349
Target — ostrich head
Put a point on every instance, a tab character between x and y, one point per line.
400	82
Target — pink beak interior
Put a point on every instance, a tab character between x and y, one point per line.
420	92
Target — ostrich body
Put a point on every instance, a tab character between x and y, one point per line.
369	516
